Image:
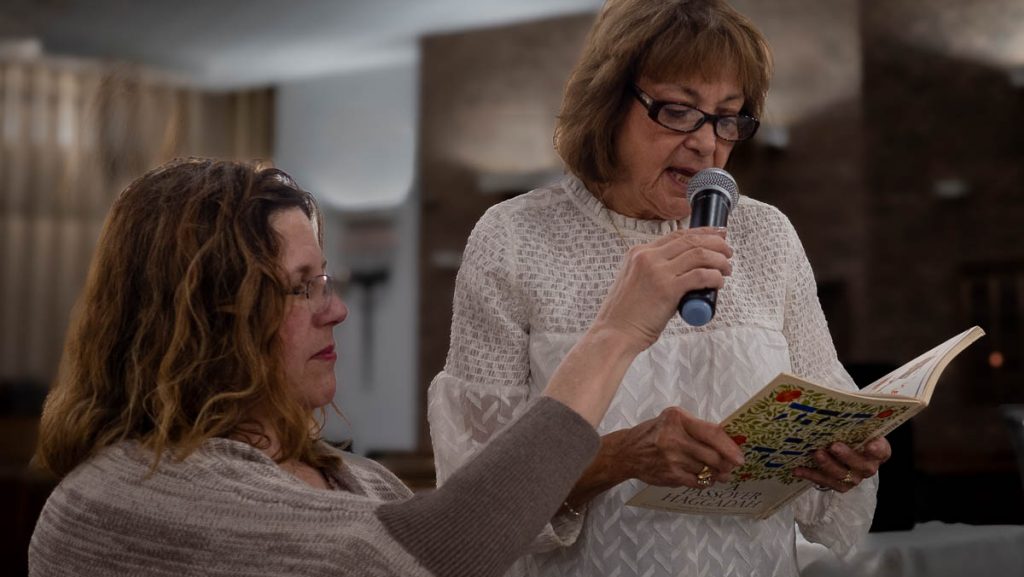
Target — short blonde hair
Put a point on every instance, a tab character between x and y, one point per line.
662	40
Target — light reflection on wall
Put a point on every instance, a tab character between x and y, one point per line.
526	121
498	95
990	32
817	50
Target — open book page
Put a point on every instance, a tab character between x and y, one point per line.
916	378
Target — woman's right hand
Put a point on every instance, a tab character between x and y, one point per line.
655	276
671	449
643	297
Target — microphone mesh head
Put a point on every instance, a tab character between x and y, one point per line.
714	178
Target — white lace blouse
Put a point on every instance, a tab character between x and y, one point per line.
533	276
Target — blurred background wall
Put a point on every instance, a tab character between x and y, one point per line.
893	139
351	138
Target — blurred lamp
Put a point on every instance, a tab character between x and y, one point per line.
773	136
951	188
1017	76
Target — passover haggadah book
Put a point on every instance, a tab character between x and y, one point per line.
782	426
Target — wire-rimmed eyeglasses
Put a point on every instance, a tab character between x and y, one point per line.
318	292
685	118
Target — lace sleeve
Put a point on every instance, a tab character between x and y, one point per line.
485	384
811	351
839	521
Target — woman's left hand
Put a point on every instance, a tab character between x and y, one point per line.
841	468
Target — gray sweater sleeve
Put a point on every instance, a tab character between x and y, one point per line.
489	511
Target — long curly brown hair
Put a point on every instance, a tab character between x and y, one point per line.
174	338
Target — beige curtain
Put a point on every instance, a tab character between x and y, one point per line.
72	134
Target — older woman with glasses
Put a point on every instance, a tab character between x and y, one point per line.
182	421
664	89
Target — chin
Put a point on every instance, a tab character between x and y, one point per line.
673	204
675	209
327	396
682	214
320	395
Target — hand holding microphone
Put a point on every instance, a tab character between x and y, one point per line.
712	194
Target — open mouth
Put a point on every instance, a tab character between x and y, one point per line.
681	175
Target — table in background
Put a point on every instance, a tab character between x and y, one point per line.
931	549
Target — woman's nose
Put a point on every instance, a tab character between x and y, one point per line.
703	140
336	312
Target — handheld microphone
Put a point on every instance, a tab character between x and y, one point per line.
712	193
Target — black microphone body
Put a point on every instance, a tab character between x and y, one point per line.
712	193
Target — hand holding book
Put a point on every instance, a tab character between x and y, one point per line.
783	428
841	468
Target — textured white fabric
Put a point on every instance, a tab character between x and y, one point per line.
534	274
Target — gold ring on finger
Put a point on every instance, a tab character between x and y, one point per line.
704	477
848	478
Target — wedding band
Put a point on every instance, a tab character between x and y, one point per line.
848	479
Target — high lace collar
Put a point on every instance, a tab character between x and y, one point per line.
594	208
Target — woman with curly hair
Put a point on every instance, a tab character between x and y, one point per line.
182	422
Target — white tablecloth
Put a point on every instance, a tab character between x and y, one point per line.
932	549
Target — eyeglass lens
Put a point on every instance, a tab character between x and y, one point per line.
321	289
687	119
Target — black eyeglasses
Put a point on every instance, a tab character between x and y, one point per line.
685	118
318	292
